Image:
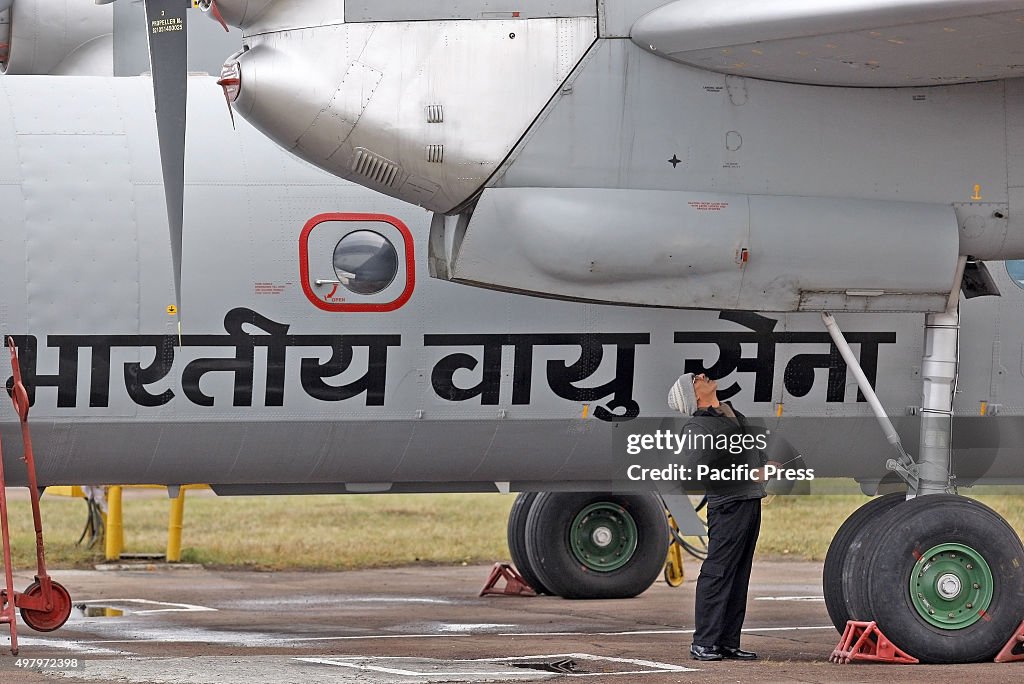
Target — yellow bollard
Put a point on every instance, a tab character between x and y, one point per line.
175	523
115	526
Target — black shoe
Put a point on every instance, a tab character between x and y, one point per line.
735	653
705	653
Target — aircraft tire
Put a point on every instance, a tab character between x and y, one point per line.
597	545
945	579
517	540
832	574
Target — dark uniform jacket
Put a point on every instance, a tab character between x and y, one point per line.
717	423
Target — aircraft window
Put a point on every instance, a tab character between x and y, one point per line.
1016	270
366	262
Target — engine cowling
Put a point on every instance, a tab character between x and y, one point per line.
44	37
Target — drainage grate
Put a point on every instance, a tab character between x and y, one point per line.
562	666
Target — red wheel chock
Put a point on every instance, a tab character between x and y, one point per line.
864	642
1013	651
515	585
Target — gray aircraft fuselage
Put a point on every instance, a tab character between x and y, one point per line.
277	384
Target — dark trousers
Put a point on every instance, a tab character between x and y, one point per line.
722	586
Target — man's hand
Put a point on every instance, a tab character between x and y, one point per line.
759	472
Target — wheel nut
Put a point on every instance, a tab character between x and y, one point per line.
970	605
951	615
970	567
931	611
977	586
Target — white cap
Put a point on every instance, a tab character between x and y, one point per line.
681	397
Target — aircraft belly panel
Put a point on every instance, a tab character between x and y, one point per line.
548	453
314	452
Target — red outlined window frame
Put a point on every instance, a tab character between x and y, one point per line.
378	307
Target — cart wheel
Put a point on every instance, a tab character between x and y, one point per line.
674	573
48	620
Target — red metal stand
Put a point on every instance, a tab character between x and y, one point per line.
45	605
864	642
7	615
1013	651
515	585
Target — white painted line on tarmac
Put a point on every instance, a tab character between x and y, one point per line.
469	627
818	599
174	607
785	629
257	640
70	646
363	663
262	640
645	632
337	662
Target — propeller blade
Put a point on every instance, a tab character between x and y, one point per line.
217	15
167	33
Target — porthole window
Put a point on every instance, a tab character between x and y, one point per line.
365	262
1016	270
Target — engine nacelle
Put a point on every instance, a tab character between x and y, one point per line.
45	37
703	250
404	122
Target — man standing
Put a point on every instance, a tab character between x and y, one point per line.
734	517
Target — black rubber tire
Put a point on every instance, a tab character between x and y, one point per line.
854	573
516	536
548	548
919	525
832	573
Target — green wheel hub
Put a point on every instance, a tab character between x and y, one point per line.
603	537
951	586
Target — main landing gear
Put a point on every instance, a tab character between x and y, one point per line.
588	545
940	574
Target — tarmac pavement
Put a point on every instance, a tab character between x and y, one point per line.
427	624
